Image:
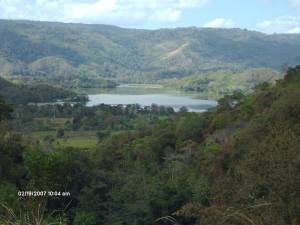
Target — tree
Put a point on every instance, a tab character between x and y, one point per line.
5	110
100	135
60	133
183	109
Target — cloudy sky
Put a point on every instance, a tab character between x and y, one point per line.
269	16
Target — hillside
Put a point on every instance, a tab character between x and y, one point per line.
236	164
101	55
22	94
214	85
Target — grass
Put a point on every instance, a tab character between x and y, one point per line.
34	216
54	123
80	143
75	139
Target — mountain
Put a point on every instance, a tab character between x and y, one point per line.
95	55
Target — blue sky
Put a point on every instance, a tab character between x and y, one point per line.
269	16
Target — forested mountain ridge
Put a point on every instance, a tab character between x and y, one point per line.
80	53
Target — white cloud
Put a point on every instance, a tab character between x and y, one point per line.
167	15
88	10
283	24
120	12
190	3
220	23
295	30
295	4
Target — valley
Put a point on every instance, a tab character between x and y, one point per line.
185	126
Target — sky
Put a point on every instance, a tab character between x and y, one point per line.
268	16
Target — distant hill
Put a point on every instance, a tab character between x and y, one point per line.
214	85
100	55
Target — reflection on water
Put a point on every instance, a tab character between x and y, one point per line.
146	95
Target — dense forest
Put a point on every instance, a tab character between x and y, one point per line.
37	93
238	163
79	55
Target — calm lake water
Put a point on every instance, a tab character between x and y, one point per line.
146	95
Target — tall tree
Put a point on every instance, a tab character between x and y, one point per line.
5	109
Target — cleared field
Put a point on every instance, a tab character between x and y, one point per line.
76	139
77	143
53	123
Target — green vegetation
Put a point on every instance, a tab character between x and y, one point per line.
23	94
36	215
215	85
5	110
78	55
75	139
235	164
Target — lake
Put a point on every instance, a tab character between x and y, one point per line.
146	95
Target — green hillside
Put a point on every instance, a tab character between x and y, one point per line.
21	94
100	56
236	164
214	85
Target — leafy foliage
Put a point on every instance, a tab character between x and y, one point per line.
23	94
236	164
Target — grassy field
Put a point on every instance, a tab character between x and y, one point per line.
75	139
54	123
